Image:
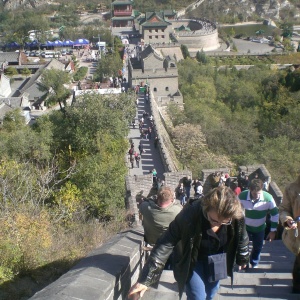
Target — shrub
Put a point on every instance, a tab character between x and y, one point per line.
80	74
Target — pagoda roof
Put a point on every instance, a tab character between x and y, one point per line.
120	2
154	19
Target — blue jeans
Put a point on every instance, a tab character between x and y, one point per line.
257	239
182	200
198	288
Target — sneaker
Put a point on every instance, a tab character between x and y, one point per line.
254	266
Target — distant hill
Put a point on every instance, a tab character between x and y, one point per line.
248	10
221	11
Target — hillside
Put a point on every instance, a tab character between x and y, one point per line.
220	11
247	10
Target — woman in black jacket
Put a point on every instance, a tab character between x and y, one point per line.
211	229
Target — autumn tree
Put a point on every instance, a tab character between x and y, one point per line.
193	151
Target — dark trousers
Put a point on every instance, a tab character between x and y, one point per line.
296	275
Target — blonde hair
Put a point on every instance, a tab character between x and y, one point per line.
224	201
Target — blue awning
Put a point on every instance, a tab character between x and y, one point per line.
67	43
57	43
81	42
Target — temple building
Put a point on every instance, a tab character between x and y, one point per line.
155	28
122	13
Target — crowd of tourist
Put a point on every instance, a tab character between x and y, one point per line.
214	222
201	237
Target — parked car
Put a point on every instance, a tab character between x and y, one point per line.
64	52
37	53
32	53
27	53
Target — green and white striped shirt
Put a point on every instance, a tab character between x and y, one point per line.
256	212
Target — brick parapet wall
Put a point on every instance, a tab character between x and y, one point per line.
172	179
106	273
165	145
208	42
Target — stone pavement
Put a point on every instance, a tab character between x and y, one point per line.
272	280
151	158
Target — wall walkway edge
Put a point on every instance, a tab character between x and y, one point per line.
105	274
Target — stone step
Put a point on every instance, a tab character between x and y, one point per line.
272	280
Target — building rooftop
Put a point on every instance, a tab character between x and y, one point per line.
120	2
154	19
150	50
9	57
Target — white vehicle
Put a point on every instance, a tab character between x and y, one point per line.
48	54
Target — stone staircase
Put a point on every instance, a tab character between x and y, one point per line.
272	280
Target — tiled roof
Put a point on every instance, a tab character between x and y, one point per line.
35	92
14	102
120	2
155	19
150	50
55	64
33	84
4	108
169	12
9	57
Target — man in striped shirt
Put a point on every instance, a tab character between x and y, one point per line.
257	204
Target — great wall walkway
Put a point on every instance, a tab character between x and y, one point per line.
151	158
108	272
273	278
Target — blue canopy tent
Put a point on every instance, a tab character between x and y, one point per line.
81	42
68	43
47	45
13	45
34	45
58	43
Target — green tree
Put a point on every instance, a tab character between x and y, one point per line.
10	71
176	114
185	51
53	82
108	66
287	29
202	57
26	72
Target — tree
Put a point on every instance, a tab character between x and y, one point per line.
202	57
26	72
108	66
192	149
185	51
10	71
176	114
53	82
287	29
